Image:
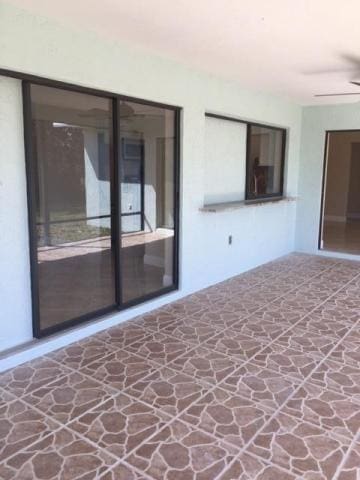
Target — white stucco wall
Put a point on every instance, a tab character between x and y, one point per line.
260	233
15	304
315	122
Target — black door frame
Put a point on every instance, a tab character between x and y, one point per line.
27	80
324	178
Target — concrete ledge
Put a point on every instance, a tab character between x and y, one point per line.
225	206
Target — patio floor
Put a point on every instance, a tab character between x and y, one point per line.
254	378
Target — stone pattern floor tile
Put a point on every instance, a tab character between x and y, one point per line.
350	470
21	425
190	331
216	317
259	329
206	365
243	307
160	348
227	416
122	472
278	315
168	390
348	352
123	335
155	321
261	385
61	455
31	376
248	467
181	452
338	313
120	424
119	370
326	409
321	325
301	448
306	342
5	398
286	361
80	354
257	377
69	397
338	377
185	307
236	345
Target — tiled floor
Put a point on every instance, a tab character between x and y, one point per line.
254	378
342	236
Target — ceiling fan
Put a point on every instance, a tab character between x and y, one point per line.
352	66
340	94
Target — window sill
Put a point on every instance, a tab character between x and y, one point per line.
226	206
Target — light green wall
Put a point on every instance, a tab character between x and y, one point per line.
315	122
38	46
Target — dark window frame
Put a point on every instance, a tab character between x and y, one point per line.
270	196
324	179
248	195
27	80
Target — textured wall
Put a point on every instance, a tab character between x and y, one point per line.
259	233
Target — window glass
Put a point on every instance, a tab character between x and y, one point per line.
265	159
71	161
147	199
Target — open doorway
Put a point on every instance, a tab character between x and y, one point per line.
340	220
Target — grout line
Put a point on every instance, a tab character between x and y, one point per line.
246	317
264	281
213	387
177	417
66	426
301	384
200	344
243	362
242	449
267	463
130	467
166	365
355	439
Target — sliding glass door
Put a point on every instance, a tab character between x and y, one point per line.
102	183
148	140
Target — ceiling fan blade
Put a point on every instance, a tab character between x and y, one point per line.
356	83
334	94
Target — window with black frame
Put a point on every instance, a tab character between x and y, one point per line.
265	162
103	203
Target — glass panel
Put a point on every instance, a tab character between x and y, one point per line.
147	166
265	161
132	165
131	223
71	133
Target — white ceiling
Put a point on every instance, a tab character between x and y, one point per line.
295	48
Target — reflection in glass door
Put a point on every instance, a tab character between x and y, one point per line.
147	255
102	176
71	159
132	185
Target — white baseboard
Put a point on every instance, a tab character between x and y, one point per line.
36	348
